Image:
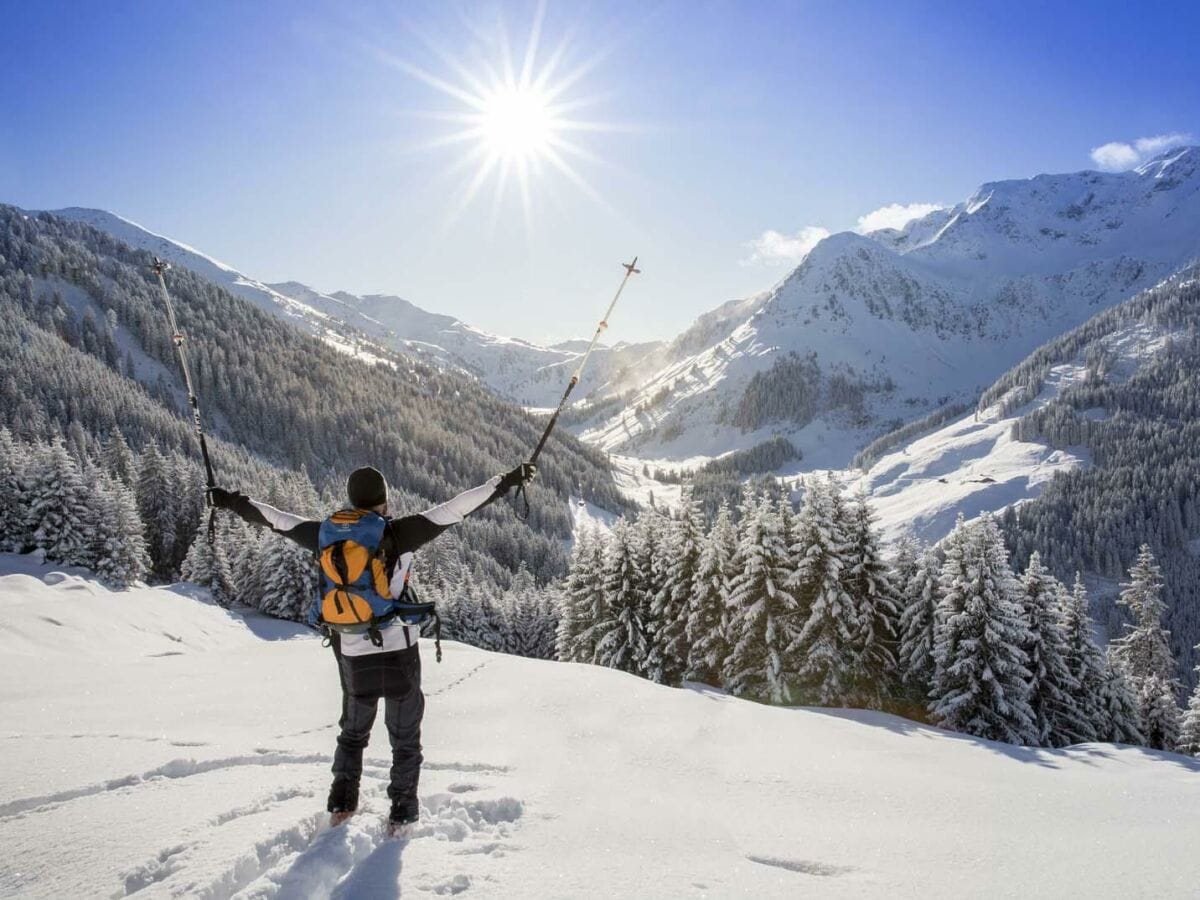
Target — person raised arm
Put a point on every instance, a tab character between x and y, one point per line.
303	531
413	532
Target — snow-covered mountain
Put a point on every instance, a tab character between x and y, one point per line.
517	370
883	327
180	749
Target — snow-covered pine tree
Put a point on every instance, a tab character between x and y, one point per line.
653	530
673	604
981	683
207	565
246	564
1122	724
118	543
1145	650
118	460
1085	662
289	578
14	531
708	615
157	496
869	584
480	623
522	616
583	602
1052	688
1158	712
1189	726
824	648
906	559
917	626
60	507
762	607
622	641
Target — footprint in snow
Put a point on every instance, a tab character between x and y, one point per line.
803	866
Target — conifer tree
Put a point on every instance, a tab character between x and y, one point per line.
827	629
582	587
60	507
157	505
870	587
1085	663
917	625
1158	713
708	616
1189	726
589	600
652	532
1122	722
1146	649
118	460
981	683
673	603
763	607
207	564
14	532
290	579
1052	688
118	543
246	563
622	639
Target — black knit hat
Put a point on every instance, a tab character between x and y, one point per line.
366	488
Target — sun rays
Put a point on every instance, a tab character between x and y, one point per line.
508	126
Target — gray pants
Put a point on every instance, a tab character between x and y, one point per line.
396	678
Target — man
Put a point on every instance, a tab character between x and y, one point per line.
384	662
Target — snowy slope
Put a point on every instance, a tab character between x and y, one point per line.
923	316
517	370
159	745
975	465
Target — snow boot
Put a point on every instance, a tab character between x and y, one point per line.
400	830
338	816
402	821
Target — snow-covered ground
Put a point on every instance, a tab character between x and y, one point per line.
155	744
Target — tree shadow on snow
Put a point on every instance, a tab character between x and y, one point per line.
264	627
1053	758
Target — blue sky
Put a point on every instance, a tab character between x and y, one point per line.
292	139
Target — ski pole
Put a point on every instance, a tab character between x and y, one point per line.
630	269
178	337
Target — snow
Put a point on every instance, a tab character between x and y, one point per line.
157	744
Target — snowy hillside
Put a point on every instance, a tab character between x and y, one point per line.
517	370
977	464
889	325
178	749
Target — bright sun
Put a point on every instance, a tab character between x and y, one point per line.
516	122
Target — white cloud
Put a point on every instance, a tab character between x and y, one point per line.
894	215
1117	156
772	248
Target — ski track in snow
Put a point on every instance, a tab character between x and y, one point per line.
176	768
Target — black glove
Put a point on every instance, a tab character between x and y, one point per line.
522	474
222	499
